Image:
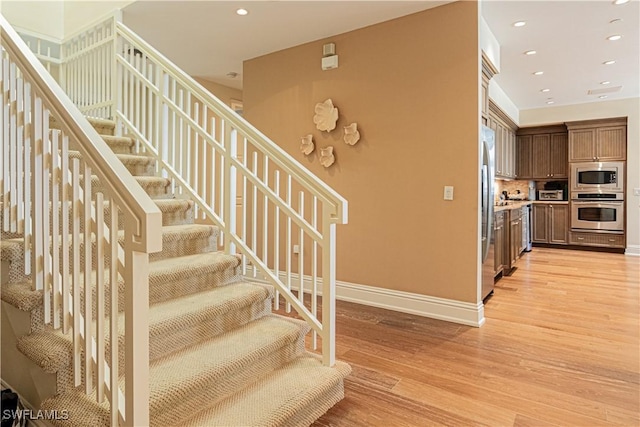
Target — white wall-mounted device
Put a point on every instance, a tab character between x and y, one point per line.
329	49
330	62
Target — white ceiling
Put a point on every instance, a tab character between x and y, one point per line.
570	38
208	39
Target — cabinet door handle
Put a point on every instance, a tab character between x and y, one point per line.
580	238
612	240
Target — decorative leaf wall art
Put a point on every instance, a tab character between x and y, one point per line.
351	134
307	146
326	156
326	116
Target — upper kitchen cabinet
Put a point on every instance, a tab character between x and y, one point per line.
505	131
542	153
598	140
488	71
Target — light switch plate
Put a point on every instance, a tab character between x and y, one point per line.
636	191
448	192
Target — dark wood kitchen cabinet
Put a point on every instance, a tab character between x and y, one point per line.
515	236
542	153
598	140
523	157
500	234
505	142
550	223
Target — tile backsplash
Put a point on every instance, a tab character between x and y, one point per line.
512	187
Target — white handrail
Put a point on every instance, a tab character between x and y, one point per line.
239	179
286	161
51	201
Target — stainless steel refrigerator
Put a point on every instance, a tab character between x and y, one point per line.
487	141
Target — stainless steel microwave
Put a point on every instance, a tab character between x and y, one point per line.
608	176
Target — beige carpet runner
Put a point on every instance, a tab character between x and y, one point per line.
218	356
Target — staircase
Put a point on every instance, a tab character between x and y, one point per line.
122	248
218	356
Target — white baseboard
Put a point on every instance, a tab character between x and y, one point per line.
633	250
407	302
465	313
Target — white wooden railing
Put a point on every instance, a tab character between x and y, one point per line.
264	201
74	252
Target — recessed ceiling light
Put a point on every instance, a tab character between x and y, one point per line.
519	24
545	90
242	12
610	62
619	2
606	82
602	96
530	52
538	73
551	102
614	37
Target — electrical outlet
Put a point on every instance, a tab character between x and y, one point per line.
448	192
296	249
636	191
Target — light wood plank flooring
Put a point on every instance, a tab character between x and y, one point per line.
560	347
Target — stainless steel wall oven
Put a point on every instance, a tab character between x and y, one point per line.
597	211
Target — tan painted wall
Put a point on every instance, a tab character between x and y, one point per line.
412	86
224	93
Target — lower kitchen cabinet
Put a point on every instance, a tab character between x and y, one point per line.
604	240
500	237
515	236
550	223
509	240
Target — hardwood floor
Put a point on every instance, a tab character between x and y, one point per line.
560	347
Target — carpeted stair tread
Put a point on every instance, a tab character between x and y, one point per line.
12	251
189	320
102	126
50	349
185	239
155	186
176	267
295	395
8	246
172	278
175	211
137	165
82	410
21	296
208	371
120	144
203	306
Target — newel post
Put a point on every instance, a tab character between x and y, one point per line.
136	334
229	187
328	289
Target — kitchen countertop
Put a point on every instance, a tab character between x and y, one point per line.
551	202
517	204
512	204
